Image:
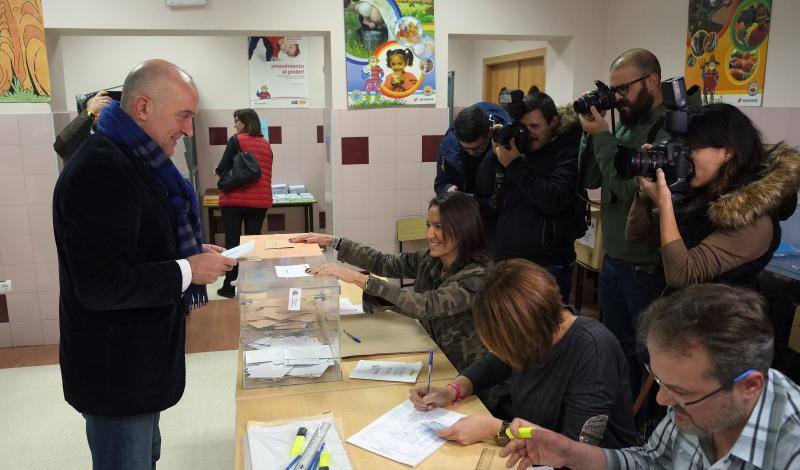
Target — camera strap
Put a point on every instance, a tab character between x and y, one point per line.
651	135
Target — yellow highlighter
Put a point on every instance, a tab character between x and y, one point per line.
299	440
324	460
524	432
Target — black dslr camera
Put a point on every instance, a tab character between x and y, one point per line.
513	101
603	99
82	99
673	155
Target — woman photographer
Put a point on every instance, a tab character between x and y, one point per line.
564	369
247	203
448	275
729	226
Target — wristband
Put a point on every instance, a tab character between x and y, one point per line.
457	388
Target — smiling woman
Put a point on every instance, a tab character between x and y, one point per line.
449	274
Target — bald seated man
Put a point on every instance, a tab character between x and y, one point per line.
132	264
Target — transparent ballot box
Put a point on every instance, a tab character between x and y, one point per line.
289	325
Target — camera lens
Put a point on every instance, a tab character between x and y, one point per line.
631	162
583	104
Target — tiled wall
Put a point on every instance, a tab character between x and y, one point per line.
381	168
296	137
384	163
28	171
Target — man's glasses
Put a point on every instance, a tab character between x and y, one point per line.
684	404
624	88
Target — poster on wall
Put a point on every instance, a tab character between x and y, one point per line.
278	71
726	49
390	53
24	74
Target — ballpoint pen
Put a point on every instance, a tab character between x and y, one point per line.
354	338
430	370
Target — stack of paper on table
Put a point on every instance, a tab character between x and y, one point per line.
347	307
282	357
387	370
269	445
404	434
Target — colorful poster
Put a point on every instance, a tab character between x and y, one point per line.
278	71
391	58
726	49
24	74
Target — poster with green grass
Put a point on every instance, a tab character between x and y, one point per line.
391	54
24	75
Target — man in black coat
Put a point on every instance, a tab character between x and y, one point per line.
129	265
528	198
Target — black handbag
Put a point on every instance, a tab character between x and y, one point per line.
245	169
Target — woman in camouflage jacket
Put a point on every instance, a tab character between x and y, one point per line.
448	275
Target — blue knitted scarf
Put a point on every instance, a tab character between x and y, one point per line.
117	125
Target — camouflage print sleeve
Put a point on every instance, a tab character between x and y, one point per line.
451	298
381	264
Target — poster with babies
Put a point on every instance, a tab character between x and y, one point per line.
726	50
277	67
390	53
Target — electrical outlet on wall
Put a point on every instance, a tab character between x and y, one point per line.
5	286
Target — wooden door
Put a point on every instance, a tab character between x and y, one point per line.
520	70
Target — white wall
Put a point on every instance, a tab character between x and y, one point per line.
661	27
468	52
584	20
218	64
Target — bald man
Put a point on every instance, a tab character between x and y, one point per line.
131	265
631	276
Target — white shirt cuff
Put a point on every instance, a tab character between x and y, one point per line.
186	273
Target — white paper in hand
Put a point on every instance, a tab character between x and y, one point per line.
239	251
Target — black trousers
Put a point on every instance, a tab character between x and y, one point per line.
232	218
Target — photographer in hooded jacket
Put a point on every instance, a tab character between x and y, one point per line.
527	190
728	225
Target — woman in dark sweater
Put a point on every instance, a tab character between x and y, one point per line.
564	369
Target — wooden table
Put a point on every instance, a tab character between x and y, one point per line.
355	409
356	403
211	202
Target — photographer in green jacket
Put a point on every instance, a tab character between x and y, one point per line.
631	276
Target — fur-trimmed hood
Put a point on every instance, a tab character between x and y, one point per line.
568	119
776	188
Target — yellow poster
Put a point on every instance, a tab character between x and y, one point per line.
726	49
24	75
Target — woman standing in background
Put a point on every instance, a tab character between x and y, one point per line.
247	203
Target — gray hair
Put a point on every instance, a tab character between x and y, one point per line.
730	323
149	78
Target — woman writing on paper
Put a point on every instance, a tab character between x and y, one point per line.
448	275
564	369
247	203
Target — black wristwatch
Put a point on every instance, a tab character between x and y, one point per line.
501	438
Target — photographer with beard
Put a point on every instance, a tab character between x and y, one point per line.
631	275
528	197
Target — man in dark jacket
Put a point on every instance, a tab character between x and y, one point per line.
464	146
131	261
73	135
528	199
